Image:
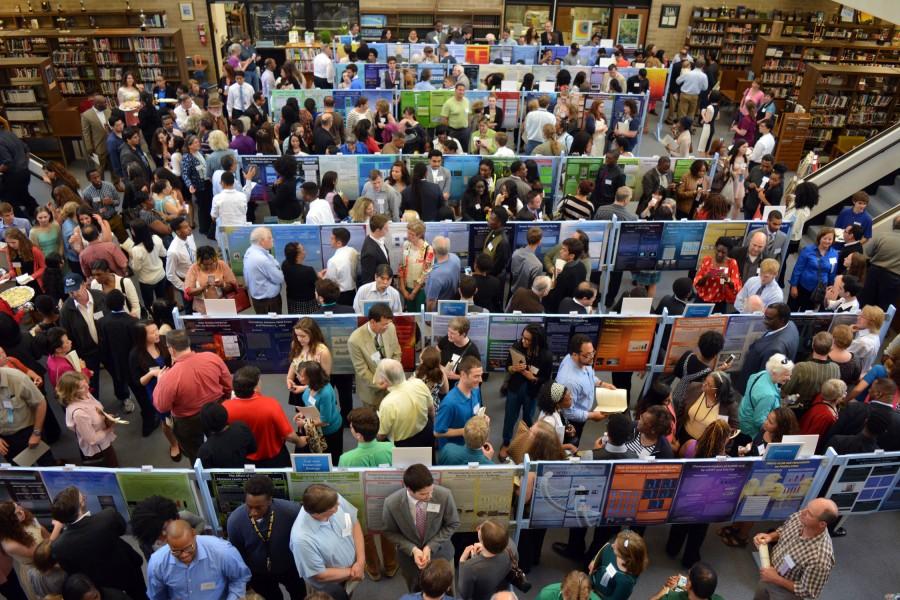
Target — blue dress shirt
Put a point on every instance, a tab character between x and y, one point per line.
811	268
580	382
454	411
320	545
443	280
262	273
217	573
19	223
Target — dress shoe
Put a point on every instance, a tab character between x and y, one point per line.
376	576
391	572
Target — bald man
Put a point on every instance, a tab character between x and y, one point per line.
803	558
750	256
200	567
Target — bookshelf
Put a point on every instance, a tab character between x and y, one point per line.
303	55
731	38
780	62
28	88
421	15
846	100
87	61
86	19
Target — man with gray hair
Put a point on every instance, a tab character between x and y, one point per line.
617	208
443	281
527	300
262	273
405	413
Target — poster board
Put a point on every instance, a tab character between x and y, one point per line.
864	482
174	485
26	488
99	487
504	331
686	331
709	491
776	490
228	489
741	332
478	331
624	343
569	494
560	329
346	483
641	494
480	493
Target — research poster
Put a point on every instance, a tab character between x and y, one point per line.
224	337
569	494
560	330
377	486
862	484
478	233
583	167
357	237
549	236
346	169
892	501
265	343
638	247
456	232
462	168
26	488
742	331
99	487
624	343
680	245
714	231
366	163
776	490
228	490
709	491
406	336
596	232
337	329
480	494
478	331
686	332
641	494
175	486
346	483
237	241
504	332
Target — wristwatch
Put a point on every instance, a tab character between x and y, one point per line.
36	432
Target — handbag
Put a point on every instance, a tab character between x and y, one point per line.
516	576
241	298
818	295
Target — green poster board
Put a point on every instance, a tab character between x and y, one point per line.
175	486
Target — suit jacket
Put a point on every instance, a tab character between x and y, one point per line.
785	341
741	255
432	201
775	246
257	116
361	345
371	256
400	528
852	418
649	184
93	546
115	331
527	215
127	156
526	301
554	38
337	309
568	305
93	133
566	283
71	320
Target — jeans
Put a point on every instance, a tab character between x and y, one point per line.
520	399
530	145
252	77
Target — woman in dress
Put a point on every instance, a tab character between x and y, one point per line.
384	122
209	277
308	345
708	116
718	279
46	233
415	265
128	92
20	534
745	128
318	393
85	417
148	359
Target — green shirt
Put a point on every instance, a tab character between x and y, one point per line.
368	454
673	595
456	112
459	454
551	592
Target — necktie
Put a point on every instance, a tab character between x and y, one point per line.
760	290
380	347
420	519
190	252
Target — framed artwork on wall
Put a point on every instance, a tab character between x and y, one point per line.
187	11
668	16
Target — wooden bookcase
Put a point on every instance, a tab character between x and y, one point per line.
86	61
28	88
780	62
76	19
791	131
847	100
731	38
483	17
303	55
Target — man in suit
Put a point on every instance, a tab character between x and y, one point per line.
131	152
78	316
391	77
781	336
371	342
527	300
609	179
115	345
92	544
256	111
658	179
533	209
419	519
550	37
581	301
775	238
374	250
854	415
750	257
94	131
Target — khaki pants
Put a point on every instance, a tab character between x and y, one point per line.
687	105
388	554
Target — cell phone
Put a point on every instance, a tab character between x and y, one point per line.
682	583
469	271
730	359
211	279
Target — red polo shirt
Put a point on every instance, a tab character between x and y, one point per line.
264	417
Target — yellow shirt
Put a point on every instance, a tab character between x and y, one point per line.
700	417
456	112
404	411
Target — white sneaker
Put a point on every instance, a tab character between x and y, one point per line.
129	405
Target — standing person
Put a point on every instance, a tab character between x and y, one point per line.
226	446
343	265
484	566
718	279
319	394
94	130
693	82
610	177
79	316
195	379
323	68
374	250
308	344
24	423
781	336
416	264
85	417
463	401
566	281
196	180
92	544
368	345
379	290
20	537
440	176
455	113
146	361
180	255
419	519
576	373
98	248
455	346
803	558
406	412
882	285
261	273
299	280
260	530
526	378
813	272
115	344
327	542
239	96
443	280
496	245
615	571
524	264
16	176
146	262
422	196
191	566
535	122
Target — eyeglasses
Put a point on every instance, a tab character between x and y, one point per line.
183	551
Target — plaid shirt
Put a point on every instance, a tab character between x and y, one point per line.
813	558
94	196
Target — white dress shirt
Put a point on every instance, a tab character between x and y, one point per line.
217	183
101	116
229	207
764	145
240	96
181	255
342	267
319	213
534	124
87	313
182	115
323	67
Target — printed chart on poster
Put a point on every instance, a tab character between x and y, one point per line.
479	494
559	331
709	491
624	343
175	486
861	484
504	332
569	494
686	332
776	490
228	490
26	488
346	483
99	487
377	486
641	494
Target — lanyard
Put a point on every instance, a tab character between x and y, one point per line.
267	538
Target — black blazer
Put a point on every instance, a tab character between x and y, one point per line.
741	254
285	204
93	546
371	256
566	282
568	305
115	331
128	155
338	309
76	328
430	203
554	38
257	116
322	138
785	342
853	417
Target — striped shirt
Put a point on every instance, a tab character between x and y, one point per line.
573	209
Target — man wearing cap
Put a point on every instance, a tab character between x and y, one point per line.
214	107
79	316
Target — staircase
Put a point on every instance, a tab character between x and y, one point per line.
884	199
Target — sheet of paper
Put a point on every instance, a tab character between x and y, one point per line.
29	456
220	307
611	401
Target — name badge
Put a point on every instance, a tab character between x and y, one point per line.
787	563
761	449
438	178
17	265
490	246
433	507
477	207
475	409
534	370
347	531
607	181
98	315
833	261
208	586
608	574
376	356
8	404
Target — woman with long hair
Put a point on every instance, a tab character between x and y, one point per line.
128	91
476	201
805	198
528	373
55	175
328	191
196	179
615	572
319	393
704	403
20	535
307	345
146	262
550	146
85	417
423	196
508	197
398	178
290	77
148	359
430	371
25	258
363	132
160	148
46	232
363	210
714	208
265	141
71	235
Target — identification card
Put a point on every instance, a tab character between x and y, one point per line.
8	404
477	207
608	574
17	265
490	246
347	531
433	507
98	315
607	181
208	586
787	563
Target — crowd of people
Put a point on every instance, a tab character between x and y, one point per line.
110	260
